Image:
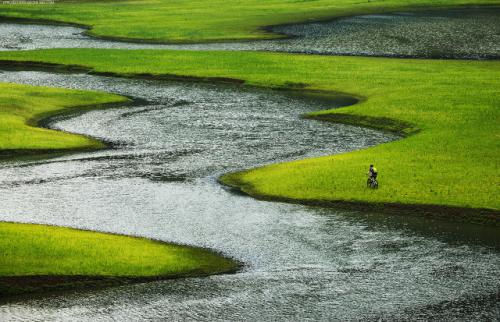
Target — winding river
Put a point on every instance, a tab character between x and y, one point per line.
159	181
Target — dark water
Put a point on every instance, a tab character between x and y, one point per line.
460	33
301	263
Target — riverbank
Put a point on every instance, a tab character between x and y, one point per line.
42	259
449	129
189	21
25	107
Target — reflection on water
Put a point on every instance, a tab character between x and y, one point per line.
472	33
301	262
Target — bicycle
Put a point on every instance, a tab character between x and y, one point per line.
372	183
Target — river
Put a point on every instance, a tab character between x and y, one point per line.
300	263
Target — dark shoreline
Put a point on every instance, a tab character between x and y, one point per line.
20	288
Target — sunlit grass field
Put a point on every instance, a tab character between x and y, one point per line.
451	158
27	249
22	106
205	21
36	250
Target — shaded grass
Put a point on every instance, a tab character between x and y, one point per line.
202	20
30	253
451	161
23	106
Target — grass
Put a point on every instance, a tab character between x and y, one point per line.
28	250
22	106
202	20
450	107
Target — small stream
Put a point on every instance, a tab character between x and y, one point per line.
159	181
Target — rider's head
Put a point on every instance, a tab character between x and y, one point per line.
371	165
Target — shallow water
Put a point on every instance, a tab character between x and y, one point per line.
159	181
460	33
300	262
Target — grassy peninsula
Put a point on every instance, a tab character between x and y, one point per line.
37	258
23	106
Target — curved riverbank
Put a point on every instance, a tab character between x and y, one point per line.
46	259
194	22
415	34
451	122
481	216
26	107
460	214
41	259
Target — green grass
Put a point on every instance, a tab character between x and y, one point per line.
205	20
451	161
35	250
22	106
47	250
